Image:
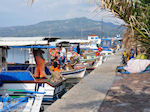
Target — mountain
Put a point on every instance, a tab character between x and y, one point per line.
69	28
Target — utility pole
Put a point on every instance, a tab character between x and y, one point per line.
0	59
49	33
102	28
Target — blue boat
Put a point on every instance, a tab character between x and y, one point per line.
20	76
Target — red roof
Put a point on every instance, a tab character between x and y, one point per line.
92	35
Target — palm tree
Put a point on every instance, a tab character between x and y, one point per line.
30	2
136	15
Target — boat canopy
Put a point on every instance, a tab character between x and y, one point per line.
73	41
34	46
22	43
29	42
63	44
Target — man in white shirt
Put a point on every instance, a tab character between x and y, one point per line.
63	52
62	57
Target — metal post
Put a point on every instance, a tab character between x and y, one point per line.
0	59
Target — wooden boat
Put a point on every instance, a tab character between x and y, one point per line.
75	73
92	63
90	53
18	77
23	80
78	72
26	103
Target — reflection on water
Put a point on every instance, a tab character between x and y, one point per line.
73	81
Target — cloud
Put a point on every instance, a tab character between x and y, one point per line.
17	12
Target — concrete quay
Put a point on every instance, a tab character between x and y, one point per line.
89	93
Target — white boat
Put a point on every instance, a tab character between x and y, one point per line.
76	73
97	61
23	80
25	103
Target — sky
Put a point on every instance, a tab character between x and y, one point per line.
20	12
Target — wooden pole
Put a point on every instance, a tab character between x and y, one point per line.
0	59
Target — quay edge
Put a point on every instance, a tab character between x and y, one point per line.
89	93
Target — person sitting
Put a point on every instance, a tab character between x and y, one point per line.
53	52
141	55
69	55
127	55
55	65
55	71
73	61
124	58
132	53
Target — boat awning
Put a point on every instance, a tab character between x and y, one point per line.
35	46
23	43
77	41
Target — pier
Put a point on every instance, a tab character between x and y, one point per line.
89	93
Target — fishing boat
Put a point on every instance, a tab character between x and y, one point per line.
75	73
110	45
79	70
91	59
106	44
19	77
92	63
26	103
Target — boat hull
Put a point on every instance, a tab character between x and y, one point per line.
79	73
97	63
51	92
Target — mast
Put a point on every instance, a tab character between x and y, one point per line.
0	58
3	63
102	28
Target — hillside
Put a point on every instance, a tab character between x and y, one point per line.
70	28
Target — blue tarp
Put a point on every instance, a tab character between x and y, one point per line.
16	76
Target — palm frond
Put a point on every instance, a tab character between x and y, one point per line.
135	14
30	2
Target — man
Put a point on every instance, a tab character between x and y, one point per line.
78	49
40	64
62	58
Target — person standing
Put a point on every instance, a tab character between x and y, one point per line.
78	49
40	63
62	58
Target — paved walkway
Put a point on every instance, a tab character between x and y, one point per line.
129	93
90	92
